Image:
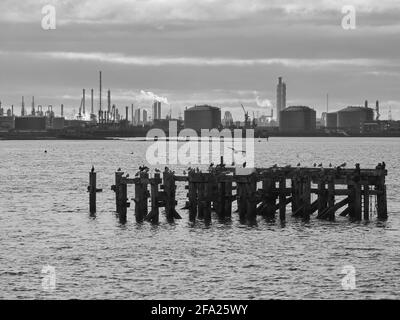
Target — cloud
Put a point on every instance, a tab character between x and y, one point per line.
155	61
263	103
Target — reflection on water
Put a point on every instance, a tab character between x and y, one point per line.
44	220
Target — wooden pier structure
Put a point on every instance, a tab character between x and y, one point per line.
267	192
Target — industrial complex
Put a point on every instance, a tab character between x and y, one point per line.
111	121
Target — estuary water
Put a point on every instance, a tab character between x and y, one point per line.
44	221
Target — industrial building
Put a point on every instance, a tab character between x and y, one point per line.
6	123
156	110
352	118
297	119
280	97
202	117
30	123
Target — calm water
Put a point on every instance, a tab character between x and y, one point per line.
44	220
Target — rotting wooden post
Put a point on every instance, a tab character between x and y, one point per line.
170	196
123	199
207	199
116	189
269	186
331	196
92	192
141	196
221	202
241	199
366	202
228	199
154	215
307	197
381	198
322	198
357	201
282	198
192	198
251	204
201	196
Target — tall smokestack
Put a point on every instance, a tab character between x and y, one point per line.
23	107
62	110
132	113
33	105
83	101
127	112
91	102
377	110
12	109
100	91
108	103
366	103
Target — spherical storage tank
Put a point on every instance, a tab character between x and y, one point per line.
297	119
351	118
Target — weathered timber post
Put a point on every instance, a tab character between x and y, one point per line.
192	198
154	215
170	196
282	198
307	197
269	194
228	199
92	192
331	196
366	201
322	195
201	195
141	196
381	198
208	186
116	189
251	204
241	198
221	199
123	199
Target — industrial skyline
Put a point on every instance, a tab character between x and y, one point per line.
223	55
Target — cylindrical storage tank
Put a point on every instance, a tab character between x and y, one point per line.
58	123
352	118
297	119
331	120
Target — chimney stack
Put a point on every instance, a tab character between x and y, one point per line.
366	103
91	102
83	101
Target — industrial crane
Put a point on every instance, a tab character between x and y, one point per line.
246	117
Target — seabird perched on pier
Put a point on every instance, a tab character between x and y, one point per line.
127	176
320	165
157	170
119	169
343	165
315	165
244	164
299	164
330	165
92	169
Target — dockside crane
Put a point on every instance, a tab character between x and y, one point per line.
246	117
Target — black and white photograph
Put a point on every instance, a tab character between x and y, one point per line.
213	153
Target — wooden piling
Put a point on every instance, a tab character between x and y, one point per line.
282	198
92	192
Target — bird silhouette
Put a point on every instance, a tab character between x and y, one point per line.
92	169
315	165
157	170
211	164
127	176
299	164
233	163
244	164
275	166
119	169
343	165
137	174
330	165
320	165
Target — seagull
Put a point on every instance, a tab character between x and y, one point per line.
157	170
92	169
275	166
237	151
137	174
184	172
343	165
320	165
288	166
315	165
299	164
127	176
330	165
233	163
45	151
119	169
211	164
244	164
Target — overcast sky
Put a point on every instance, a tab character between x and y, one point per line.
220	52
